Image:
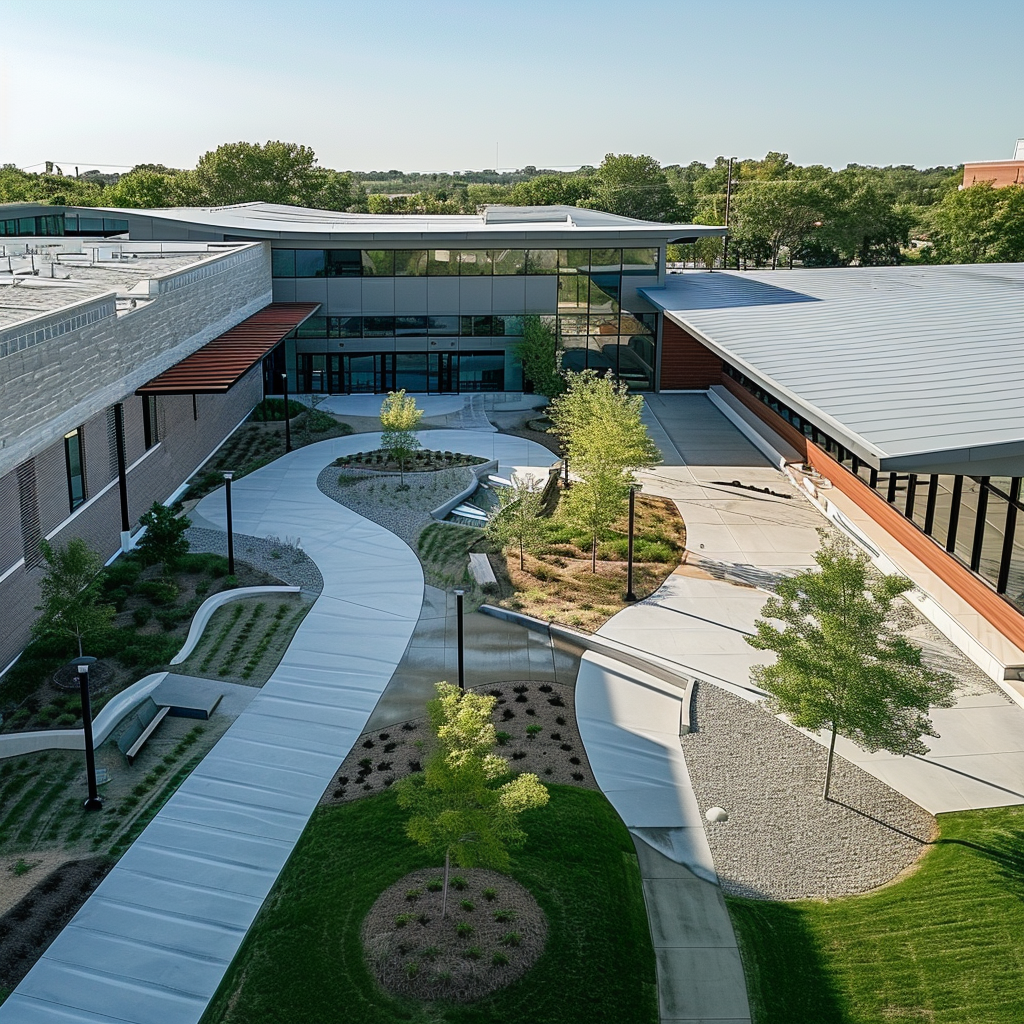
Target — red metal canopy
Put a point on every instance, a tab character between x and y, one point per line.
221	363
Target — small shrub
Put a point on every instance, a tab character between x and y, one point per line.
557	736
560	720
384	766
531	712
522	698
435	885
467	905
459	884
577	776
545	688
65	721
504	916
140	616
464	929
412	969
369	744
431	953
388	747
403	919
413	894
473	953
574	760
532	730
520	689
566	746
518	755
556	701
503	738
511	939
507	715
21	867
499	959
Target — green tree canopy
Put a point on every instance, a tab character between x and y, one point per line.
517	519
461	808
70	591
553	190
538	352
633	186
843	661
980	224
399	418
164	541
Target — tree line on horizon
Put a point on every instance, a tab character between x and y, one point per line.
780	212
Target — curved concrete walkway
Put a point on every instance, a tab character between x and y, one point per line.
151	945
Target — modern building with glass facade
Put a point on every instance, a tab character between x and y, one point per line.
901	386
436	303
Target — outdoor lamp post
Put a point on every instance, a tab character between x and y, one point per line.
231	533
630	596
93	803
459	594
287	421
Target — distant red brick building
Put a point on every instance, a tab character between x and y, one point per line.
1000	172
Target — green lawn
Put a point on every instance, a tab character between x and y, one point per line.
945	946
302	962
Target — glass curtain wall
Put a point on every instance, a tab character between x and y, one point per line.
379	372
978	520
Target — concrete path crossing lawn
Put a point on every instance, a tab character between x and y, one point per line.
151	944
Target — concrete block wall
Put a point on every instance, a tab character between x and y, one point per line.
63	382
184	443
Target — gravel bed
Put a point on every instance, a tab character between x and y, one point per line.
284	559
782	840
413	951
377	497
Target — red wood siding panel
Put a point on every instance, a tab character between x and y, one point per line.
686	364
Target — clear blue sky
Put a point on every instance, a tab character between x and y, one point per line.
438	84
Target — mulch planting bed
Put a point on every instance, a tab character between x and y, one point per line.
493	933
33	923
537	732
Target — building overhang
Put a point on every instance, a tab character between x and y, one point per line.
223	362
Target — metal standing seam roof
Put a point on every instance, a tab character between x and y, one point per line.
912	366
221	363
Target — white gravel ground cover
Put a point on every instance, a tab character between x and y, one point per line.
281	557
782	841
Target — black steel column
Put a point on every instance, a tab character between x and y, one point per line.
287	421
979	525
122	471
873	479
929	509
460	639
630	596
911	495
890	495
1009	530
93	803
954	512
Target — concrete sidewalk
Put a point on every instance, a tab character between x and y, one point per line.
700	622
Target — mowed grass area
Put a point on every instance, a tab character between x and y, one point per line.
944	946
302	961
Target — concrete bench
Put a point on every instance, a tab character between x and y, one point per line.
141	726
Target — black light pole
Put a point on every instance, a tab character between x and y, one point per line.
94	803
630	596
458	621
287	421
231	533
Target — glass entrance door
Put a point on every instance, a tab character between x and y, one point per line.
444	373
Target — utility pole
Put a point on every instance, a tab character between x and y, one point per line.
728	203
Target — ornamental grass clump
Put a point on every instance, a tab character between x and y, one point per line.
464	804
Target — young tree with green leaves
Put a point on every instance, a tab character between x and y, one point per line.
399	419
843	662
538	352
461	809
164	541
517	519
633	186
593	503
70	590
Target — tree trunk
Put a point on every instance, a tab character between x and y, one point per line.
401	470
828	766
444	895
593	555
522	563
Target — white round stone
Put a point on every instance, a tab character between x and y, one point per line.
716	814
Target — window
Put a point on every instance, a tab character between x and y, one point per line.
474	262
442	263
410	263
314	327
150	430
640	261
437	325
283	262
309	263
345	326
542	261
378	326
408	325
343	263
509	261
76	467
378	263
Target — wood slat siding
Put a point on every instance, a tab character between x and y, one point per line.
978	594
685	363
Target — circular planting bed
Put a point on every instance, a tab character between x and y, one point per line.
421	461
493	933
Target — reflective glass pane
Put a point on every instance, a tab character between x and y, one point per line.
509	261
604	293
76	479
283	262
507	326
344	263
474	262
360	373
346	327
605	261
481	371
405	325
411	371
309	263
378	326
573	261
378	262
639	261
968	519
992	544
442	262
314	327
573	293
410	262
443	325
542	261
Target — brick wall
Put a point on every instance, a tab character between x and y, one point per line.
686	364
184	444
1000	172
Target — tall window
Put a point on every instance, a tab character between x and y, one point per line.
150	431
76	467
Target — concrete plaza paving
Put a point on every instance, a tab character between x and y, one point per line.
700	622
